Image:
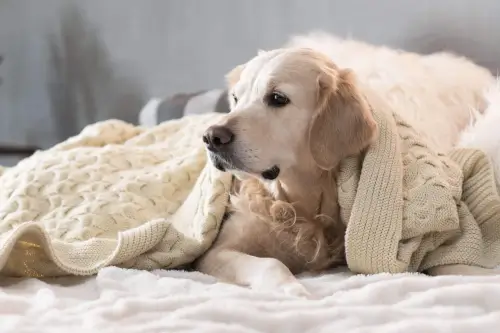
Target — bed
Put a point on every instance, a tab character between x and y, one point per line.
130	300
120	300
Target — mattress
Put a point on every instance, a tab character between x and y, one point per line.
119	300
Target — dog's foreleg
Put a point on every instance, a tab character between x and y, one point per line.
254	272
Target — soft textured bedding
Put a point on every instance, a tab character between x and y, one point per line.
409	208
120	300
115	194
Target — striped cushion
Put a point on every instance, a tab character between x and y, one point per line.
160	110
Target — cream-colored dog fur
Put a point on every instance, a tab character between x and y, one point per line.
436	93
483	132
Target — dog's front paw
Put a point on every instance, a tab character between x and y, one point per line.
292	287
296	289
273	275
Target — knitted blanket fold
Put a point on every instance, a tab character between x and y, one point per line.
408	208
113	195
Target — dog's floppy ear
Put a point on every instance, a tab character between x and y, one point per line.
234	75
343	124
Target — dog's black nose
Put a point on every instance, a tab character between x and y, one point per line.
216	137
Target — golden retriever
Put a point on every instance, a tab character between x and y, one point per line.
294	116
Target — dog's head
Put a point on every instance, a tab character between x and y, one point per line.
289	107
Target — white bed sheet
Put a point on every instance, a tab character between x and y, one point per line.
119	300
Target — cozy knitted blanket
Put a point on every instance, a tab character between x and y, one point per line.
409	208
146	198
113	195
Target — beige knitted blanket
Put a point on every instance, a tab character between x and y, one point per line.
409	209
113	195
146	198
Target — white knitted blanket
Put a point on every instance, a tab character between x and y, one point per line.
113	195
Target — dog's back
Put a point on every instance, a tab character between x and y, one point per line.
483	133
435	92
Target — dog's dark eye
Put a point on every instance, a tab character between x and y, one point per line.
235	99
277	99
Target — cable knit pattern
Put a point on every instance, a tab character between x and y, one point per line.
113	195
409	208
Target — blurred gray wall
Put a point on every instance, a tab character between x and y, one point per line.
71	62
